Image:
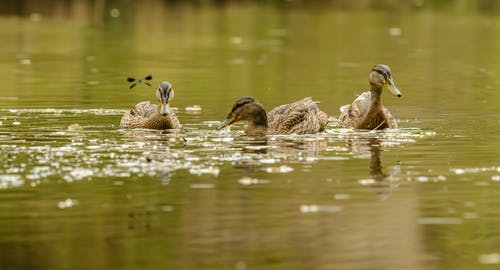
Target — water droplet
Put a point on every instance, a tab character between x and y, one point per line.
236	40
473	170
470	215
492	258
10	180
35	17
341	196
308	208
202	186
225	139
115	13
422	179
268	161
441	178
194	108
395	31
366	182
320	208
167	208
198	170
25	61
67	203
439	221
75	127
78	174
470	204
482	184
251	181
280	169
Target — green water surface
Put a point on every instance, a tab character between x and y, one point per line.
424	196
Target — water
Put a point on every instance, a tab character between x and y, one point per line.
73	185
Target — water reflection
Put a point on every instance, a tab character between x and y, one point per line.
381	181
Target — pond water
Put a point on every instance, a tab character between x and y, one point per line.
73	185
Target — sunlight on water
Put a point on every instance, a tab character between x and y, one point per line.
246	181
125	154
10	180
439	220
67	203
493	258
305	209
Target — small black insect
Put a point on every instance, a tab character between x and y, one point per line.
140	80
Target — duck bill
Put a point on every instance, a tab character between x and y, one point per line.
229	120
392	88
164	109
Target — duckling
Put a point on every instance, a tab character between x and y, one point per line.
151	116
301	117
367	111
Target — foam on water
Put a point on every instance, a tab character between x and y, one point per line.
87	152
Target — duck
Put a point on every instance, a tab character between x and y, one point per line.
367	111
152	116
300	117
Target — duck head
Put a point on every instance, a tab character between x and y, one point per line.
381	78
246	109
164	94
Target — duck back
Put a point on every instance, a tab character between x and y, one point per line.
301	117
146	115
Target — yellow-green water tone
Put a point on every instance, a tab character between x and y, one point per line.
424	196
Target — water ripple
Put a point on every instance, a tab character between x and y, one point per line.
75	149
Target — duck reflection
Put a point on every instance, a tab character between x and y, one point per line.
269	150
288	148
382	182
376	172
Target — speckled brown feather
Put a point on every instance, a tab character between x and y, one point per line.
301	117
147	115
360	114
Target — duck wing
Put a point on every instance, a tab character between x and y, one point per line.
138	114
175	121
392	122
353	114
301	117
274	115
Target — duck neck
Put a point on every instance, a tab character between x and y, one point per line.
258	122
375	93
375	117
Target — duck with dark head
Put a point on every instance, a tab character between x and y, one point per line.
152	116
367	111
301	117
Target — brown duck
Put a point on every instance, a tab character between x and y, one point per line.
151	116
367	111
301	117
